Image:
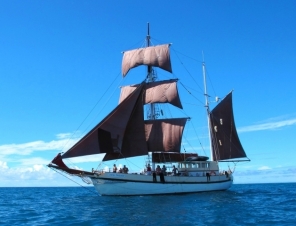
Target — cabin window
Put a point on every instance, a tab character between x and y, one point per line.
182	165
204	165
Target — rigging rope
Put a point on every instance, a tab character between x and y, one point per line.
190	93
75	182
186	68
90	111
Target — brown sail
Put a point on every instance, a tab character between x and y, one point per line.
164	134
225	140
134	141
156	92
163	92
107	136
158	56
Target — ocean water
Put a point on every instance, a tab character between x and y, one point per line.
253	204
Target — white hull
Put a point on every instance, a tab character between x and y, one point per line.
132	184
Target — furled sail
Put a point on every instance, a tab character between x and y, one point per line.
161	157
158	56
107	136
156	92
164	134
225	140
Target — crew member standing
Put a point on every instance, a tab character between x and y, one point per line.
114	168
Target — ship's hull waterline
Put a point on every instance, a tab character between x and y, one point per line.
135	184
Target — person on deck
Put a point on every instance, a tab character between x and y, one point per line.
158	170
208	176
125	169
148	170
226	174
164	170
174	170
114	168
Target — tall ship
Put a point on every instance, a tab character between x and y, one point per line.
135	127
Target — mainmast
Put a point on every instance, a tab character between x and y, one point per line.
207	108
152	111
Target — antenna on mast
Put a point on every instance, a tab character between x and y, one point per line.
149	77
148	35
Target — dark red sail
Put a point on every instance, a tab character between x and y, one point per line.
107	136
224	137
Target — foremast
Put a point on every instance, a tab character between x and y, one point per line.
152	110
151	77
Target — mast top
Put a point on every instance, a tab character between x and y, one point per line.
148	35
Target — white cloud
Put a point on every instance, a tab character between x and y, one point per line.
38	167
264	168
28	148
25	173
266	174
34	175
268	126
106	168
64	135
32	161
89	158
29	169
3	165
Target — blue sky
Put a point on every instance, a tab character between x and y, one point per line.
57	58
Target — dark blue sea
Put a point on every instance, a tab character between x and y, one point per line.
252	204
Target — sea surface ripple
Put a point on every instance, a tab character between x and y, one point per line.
243	204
